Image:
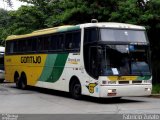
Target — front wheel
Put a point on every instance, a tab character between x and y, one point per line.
76	91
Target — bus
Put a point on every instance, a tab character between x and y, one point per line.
2	49
100	59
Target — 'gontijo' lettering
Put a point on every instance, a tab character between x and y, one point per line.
31	59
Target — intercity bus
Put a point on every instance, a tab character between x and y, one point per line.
94	59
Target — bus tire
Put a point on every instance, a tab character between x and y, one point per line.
16	79
76	90
21	83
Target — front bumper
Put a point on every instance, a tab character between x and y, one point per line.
125	90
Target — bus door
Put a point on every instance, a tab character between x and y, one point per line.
93	69
94	65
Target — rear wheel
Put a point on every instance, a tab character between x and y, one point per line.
76	90
16	80
21	82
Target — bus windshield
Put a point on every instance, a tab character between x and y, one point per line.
122	35
124	60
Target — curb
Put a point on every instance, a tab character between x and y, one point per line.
155	95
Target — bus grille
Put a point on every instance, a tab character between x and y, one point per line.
133	82
123	82
136	82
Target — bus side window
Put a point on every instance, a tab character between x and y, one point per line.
60	42
54	40
10	47
68	41
49	43
8	44
77	40
29	45
45	39
21	47
14	46
34	44
40	44
25	44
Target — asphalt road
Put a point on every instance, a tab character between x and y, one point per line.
43	101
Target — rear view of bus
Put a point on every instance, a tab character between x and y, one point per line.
117	59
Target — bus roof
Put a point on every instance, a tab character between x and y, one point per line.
113	25
45	32
75	27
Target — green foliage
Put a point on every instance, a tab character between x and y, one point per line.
127	11
156	89
29	17
4	23
24	20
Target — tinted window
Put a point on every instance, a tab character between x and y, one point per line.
54	42
76	40
60	42
34	44
72	41
122	35
69	41
91	34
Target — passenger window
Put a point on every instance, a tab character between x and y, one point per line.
76	40
68	41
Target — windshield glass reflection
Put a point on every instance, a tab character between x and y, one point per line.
121	60
115	35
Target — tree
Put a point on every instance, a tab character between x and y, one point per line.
75	12
151	17
26	19
4	23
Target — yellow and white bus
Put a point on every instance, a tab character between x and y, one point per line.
94	59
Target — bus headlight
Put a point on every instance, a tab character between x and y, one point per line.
112	92
147	89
